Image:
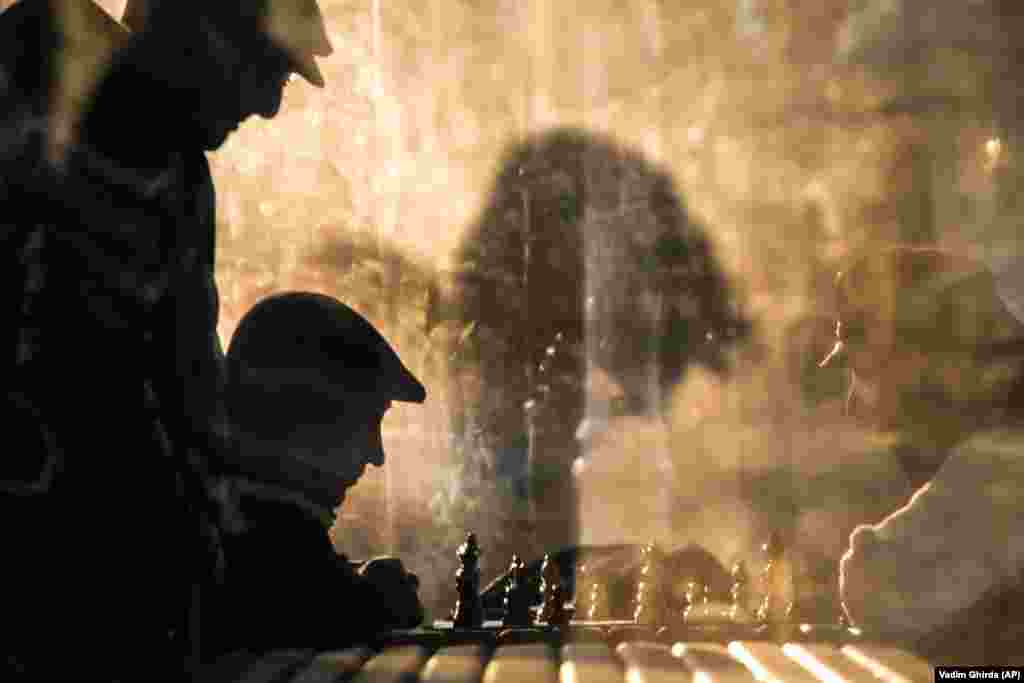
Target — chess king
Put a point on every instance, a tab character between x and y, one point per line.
935	363
112	373
309	383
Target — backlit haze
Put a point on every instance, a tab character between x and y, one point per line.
792	134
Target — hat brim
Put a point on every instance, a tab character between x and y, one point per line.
305	65
407	388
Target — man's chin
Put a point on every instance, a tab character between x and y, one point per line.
214	137
342	489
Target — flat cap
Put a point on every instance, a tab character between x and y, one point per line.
295	26
305	337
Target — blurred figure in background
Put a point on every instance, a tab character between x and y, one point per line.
936	362
585	268
309	382
109	227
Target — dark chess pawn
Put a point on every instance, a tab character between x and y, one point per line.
739	593
776	585
552	610
469	611
650	603
517	595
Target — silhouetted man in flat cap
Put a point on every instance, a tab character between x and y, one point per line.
113	372
309	382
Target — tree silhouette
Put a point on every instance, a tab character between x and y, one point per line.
583	261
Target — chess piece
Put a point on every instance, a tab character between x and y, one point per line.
552	611
650	602
776	606
740	593
685	601
581	599
517	595
697	608
469	610
592	596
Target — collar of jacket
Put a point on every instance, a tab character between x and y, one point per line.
230	491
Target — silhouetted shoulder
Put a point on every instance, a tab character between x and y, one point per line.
283	572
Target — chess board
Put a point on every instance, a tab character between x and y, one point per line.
714	641
602	653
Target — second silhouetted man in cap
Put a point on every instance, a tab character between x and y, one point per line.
309	383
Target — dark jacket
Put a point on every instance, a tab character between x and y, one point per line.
111	378
285	586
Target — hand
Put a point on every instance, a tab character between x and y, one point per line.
395	592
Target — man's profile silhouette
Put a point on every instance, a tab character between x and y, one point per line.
309	382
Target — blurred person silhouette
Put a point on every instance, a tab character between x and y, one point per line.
114	373
936	360
585	265
309	383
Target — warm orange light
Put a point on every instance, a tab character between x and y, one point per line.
804	658
567	673
993	149
873	665
740	652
